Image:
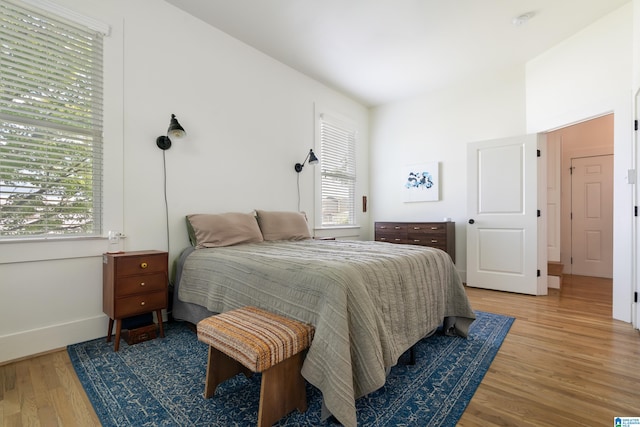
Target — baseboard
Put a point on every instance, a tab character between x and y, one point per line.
27	343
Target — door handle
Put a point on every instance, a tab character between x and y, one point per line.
471	221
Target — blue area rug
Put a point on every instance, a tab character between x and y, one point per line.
161	382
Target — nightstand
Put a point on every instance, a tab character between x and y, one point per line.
133	283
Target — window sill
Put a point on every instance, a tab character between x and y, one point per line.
50	248
338	231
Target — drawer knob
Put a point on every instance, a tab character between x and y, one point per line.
397	240
142	303
383	238
142	283
434	241
416	240
434	228
144	265
396	227
416	228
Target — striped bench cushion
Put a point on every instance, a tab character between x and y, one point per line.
256	338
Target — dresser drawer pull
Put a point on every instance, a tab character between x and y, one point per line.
397	240
382	239
397	227
416	228
434	241
144	265
383	226
416	240
142	283
434	228
142	303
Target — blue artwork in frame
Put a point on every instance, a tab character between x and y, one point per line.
421	182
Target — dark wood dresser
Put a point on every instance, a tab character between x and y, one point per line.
441	235
134	283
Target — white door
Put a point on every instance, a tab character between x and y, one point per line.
592	216
502	234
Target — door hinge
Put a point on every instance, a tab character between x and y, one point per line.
635	124
635	211
538	273
571	260
539	213
538	153
635	297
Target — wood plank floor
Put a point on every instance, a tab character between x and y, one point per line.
565	362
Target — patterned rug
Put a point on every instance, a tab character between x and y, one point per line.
161	382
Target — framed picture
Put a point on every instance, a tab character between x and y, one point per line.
421	182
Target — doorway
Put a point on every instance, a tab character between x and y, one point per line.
585	140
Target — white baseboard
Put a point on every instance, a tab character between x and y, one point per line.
26	343
553	282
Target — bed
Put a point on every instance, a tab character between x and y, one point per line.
369	301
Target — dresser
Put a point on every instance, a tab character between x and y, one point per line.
133	283
441	235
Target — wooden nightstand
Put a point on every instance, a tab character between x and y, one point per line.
133	283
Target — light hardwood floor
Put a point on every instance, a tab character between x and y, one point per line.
565	362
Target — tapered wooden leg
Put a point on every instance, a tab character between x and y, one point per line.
159	316
282	390
116	344
220	368
110	330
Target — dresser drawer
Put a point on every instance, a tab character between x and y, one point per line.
141	283
390	227
391	239
427	228
139	304
139	264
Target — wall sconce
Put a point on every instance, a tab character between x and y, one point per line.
312	161
175	130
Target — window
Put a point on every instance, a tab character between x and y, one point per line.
338	172
50	125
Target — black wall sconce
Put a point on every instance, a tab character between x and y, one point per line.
175	130
312	161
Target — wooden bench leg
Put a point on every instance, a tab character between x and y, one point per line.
220	368
282	390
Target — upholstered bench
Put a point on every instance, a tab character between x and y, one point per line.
248	340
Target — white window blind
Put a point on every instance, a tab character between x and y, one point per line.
338	172
50	124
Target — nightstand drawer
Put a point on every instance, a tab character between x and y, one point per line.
138	304
141	264
141	283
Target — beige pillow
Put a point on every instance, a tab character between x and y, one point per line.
216	230
283	225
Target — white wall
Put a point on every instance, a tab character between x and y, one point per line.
587	75
248	119
437	127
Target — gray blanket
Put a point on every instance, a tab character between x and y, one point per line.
369	302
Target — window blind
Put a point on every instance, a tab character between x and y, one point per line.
51	93
338	172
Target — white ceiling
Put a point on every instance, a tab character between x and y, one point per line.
379	51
